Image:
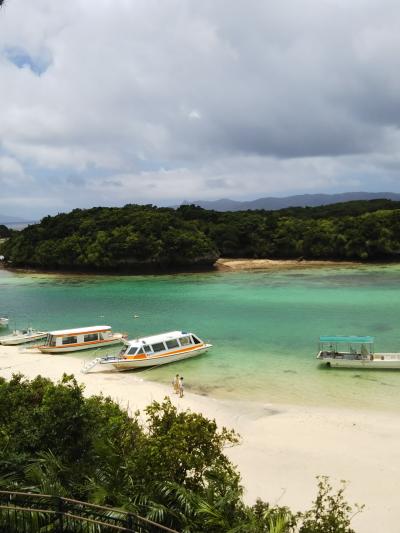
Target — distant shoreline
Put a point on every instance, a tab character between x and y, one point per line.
226	264
223	264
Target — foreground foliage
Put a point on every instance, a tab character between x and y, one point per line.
146	237
170	468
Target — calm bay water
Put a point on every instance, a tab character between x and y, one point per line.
264	325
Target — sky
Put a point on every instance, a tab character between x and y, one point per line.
109	102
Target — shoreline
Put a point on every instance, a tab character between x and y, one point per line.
223	264
283	447
226	264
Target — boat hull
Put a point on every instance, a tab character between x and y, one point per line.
15	340
131	364
83	346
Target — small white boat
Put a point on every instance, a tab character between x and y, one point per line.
4	321
73	340
153	351
355	352
22	336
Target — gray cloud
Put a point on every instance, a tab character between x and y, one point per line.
162	101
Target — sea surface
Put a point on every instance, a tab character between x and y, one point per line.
264	326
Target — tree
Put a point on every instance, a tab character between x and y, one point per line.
171	468
330	512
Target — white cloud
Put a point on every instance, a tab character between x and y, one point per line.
10	166
194	114
240	99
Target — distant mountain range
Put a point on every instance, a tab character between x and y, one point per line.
269	203
300	200
9	220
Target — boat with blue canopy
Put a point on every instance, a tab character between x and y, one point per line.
354	352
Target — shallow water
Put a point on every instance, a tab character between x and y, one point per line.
264	325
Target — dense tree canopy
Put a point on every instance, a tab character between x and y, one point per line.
112	239
147	237
170	468
5	232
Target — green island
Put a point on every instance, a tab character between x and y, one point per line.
166	465
147	238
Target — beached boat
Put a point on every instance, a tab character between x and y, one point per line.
22	336
153	351
73	340
4	321
355	352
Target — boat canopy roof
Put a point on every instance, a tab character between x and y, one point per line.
169	335
348	340
77	331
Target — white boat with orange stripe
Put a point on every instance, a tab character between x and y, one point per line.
155	350
73	340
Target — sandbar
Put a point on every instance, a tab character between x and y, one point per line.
283	447
228	264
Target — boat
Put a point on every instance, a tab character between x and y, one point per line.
22	336
4	321
153	351
73	340
355	352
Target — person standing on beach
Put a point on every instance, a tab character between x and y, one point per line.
181	387
175	384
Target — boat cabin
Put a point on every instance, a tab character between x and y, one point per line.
173	341
349	347
79	336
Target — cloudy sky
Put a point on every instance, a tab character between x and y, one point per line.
108	102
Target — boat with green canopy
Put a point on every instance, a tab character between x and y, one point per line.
355	352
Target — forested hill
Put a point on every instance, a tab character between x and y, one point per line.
149	238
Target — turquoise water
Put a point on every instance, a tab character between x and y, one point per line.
264	325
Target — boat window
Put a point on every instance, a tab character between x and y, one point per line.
158	347
70	340
196	340
140	351
52	340
132	350
185	341
147	348
91	337
173	343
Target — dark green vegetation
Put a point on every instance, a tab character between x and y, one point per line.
5	232
103	238
27	512
170	468
146	237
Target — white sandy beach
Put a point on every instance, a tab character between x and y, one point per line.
283	447
234	265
